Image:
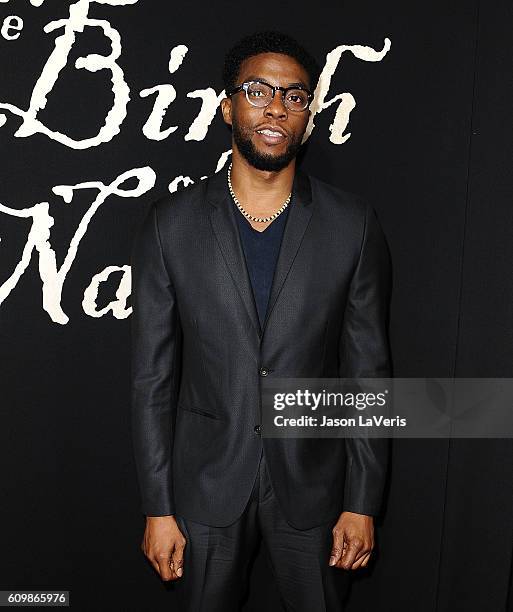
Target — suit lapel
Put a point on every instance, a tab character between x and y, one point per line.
295	227
224	225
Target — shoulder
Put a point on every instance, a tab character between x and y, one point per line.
338	202
183	201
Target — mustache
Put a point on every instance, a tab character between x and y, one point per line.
263	161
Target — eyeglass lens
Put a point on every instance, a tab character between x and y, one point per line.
260	94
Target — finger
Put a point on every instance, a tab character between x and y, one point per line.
349	556
362	555
363	552
337	549
155	565
165	568
361	562
177	560
172	569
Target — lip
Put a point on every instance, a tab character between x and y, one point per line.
270	139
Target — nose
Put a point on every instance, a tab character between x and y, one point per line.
276	108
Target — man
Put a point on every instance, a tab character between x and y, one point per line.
260	270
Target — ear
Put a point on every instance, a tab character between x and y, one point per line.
226	109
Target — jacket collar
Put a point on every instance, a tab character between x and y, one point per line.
224	225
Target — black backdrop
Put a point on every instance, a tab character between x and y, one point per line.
431	145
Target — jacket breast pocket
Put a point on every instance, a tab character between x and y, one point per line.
199	411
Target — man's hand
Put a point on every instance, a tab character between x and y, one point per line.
353	541
163	543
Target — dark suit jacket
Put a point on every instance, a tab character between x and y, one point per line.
198	353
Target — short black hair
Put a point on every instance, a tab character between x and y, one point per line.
267	42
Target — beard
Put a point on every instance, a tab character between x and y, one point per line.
264	161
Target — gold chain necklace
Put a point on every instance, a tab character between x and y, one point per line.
246	214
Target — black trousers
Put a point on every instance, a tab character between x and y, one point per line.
217	559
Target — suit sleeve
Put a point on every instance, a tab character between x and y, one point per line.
155	354
364	353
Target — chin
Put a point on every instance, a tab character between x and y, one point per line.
269	155
269	163
269	159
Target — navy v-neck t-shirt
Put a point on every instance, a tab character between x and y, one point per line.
261	250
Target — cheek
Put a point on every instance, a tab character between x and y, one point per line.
247	118
298	127
302	122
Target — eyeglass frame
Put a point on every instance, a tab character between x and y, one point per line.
244	86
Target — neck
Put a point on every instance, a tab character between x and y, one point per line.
260	191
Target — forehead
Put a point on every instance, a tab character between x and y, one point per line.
277	68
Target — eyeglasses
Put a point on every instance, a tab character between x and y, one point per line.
260	94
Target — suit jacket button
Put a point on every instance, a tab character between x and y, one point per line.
257	429
263	372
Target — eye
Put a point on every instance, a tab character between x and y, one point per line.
259	90
297	97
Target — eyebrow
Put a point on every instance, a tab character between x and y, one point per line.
259	78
